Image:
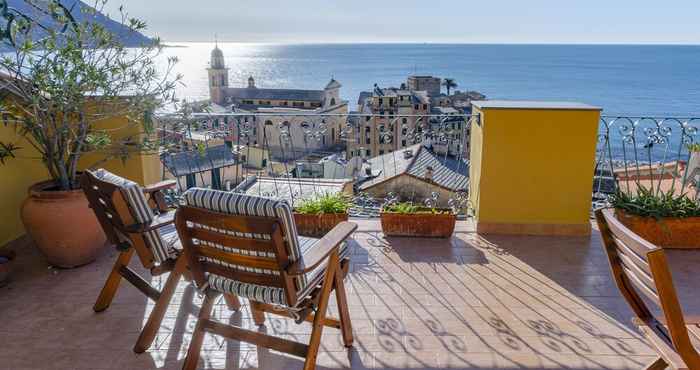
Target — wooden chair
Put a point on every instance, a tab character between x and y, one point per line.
640	267
248	246
145	227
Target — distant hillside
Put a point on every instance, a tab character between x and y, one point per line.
77	7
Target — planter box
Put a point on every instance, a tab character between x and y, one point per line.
668	232
317	225
426	225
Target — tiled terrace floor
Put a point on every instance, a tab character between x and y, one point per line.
469	302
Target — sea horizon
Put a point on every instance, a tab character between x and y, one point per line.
623	79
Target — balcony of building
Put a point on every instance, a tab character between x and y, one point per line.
524	281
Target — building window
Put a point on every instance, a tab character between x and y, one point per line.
366	128
298	104
367	152
403	143
425	106
381	152
367	118
381	101
404	120
332	101
416	107
368	141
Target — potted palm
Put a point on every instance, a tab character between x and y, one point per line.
61	84
407	219
315	217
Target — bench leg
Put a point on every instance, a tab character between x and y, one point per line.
148	334
320	316
342	299
112	284
198	336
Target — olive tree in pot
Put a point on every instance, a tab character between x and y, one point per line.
60	86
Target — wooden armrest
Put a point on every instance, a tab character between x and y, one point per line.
167	184
323	249
161	220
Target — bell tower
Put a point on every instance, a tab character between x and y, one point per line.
218	76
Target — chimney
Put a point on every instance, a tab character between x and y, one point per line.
429	173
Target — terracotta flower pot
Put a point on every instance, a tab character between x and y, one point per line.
668	232
428	225
62	225
7	260
317	225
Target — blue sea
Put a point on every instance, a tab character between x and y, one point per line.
622	79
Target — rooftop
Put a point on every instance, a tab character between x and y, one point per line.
274	94
194	161
448	172
471	302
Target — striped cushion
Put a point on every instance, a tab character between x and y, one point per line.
272	295
142	213
247	205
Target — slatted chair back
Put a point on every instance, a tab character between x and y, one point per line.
118	203
242	244
641	269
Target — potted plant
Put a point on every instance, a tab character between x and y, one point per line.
59	84
407	219
665	219
317	216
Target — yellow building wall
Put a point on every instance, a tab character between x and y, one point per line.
19	173
532	170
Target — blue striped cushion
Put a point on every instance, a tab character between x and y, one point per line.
142	213
272	295
247	205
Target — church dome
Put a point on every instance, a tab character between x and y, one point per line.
217	53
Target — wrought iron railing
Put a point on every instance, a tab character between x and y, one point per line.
650	152
383	159
379	158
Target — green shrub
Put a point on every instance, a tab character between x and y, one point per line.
328	203
649	204
695	147
408	208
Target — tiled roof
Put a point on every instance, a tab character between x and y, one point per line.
290	189
275	94
186	163
448	172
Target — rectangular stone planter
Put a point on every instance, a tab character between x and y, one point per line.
426	225
317	225
668	232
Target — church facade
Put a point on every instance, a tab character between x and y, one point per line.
290	122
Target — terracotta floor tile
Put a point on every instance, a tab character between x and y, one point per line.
470	302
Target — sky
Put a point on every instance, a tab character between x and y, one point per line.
431	21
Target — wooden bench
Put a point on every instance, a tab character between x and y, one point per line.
642	274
